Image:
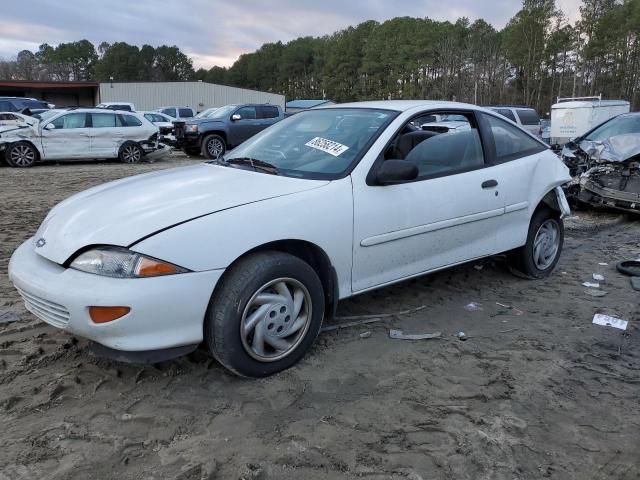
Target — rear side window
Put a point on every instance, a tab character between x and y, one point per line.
130	121
185	112
71	120
268	112
528	117
169	111
103	120
505	112
511	142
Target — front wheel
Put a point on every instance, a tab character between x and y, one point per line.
21	155
213	146
130	152
540	255
265	314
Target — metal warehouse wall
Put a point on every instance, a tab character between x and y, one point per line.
199	95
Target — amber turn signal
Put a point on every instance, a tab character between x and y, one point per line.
107	314
148	267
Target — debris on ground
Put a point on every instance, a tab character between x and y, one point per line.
609	321
603	264
635	283
462	336
399	335
596	293
365	334
365	319
473	307
516	311
629	267
599	277
591	285
478	267
8	317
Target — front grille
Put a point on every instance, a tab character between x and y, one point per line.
52	313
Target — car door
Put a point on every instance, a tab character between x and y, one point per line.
515	156
69	137
104	134
246	127
448	215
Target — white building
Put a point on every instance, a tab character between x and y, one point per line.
198	95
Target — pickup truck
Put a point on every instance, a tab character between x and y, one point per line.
224	129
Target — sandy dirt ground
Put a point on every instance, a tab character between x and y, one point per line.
535	392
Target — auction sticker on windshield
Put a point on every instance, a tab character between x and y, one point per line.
327	146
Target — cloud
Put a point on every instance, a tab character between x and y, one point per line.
216	32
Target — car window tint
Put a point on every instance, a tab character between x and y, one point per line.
71	120
442	153
510	141
268	112
169	111
247	112
505	112
103	120
130	121
528	117
6	106
186	113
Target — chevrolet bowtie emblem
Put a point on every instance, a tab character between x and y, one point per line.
41	242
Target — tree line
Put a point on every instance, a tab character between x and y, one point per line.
538	56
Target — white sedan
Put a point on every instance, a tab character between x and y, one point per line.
250	253
80	134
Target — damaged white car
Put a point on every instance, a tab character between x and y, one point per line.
249	253
605	164
80	134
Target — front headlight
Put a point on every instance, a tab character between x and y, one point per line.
191	128
119	262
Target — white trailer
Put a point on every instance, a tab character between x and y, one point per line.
573	117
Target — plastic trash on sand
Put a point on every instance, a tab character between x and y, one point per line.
591	285
399	335
598	277
473	307
609	321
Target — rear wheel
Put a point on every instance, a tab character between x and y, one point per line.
213	146
21	155
540	255
130	152
265	314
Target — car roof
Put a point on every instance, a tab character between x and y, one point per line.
403	105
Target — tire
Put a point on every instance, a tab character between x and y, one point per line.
21	155
191	152
213	146
629	267
546	229
130	152
242	293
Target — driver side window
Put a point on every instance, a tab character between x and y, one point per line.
71	120
439	144
247	113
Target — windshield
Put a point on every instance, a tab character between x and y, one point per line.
207	113
320	144
616	126
222	112
46	115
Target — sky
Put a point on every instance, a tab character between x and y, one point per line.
216	32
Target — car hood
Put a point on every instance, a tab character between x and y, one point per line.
125	211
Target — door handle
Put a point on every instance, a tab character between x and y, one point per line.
489	184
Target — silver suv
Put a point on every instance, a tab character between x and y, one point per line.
526	117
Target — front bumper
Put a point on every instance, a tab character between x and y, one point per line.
166	312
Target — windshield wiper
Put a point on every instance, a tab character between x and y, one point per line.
257	165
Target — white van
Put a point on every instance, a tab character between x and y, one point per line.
573	117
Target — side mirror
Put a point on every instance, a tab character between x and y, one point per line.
236	116
396	171
49	126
